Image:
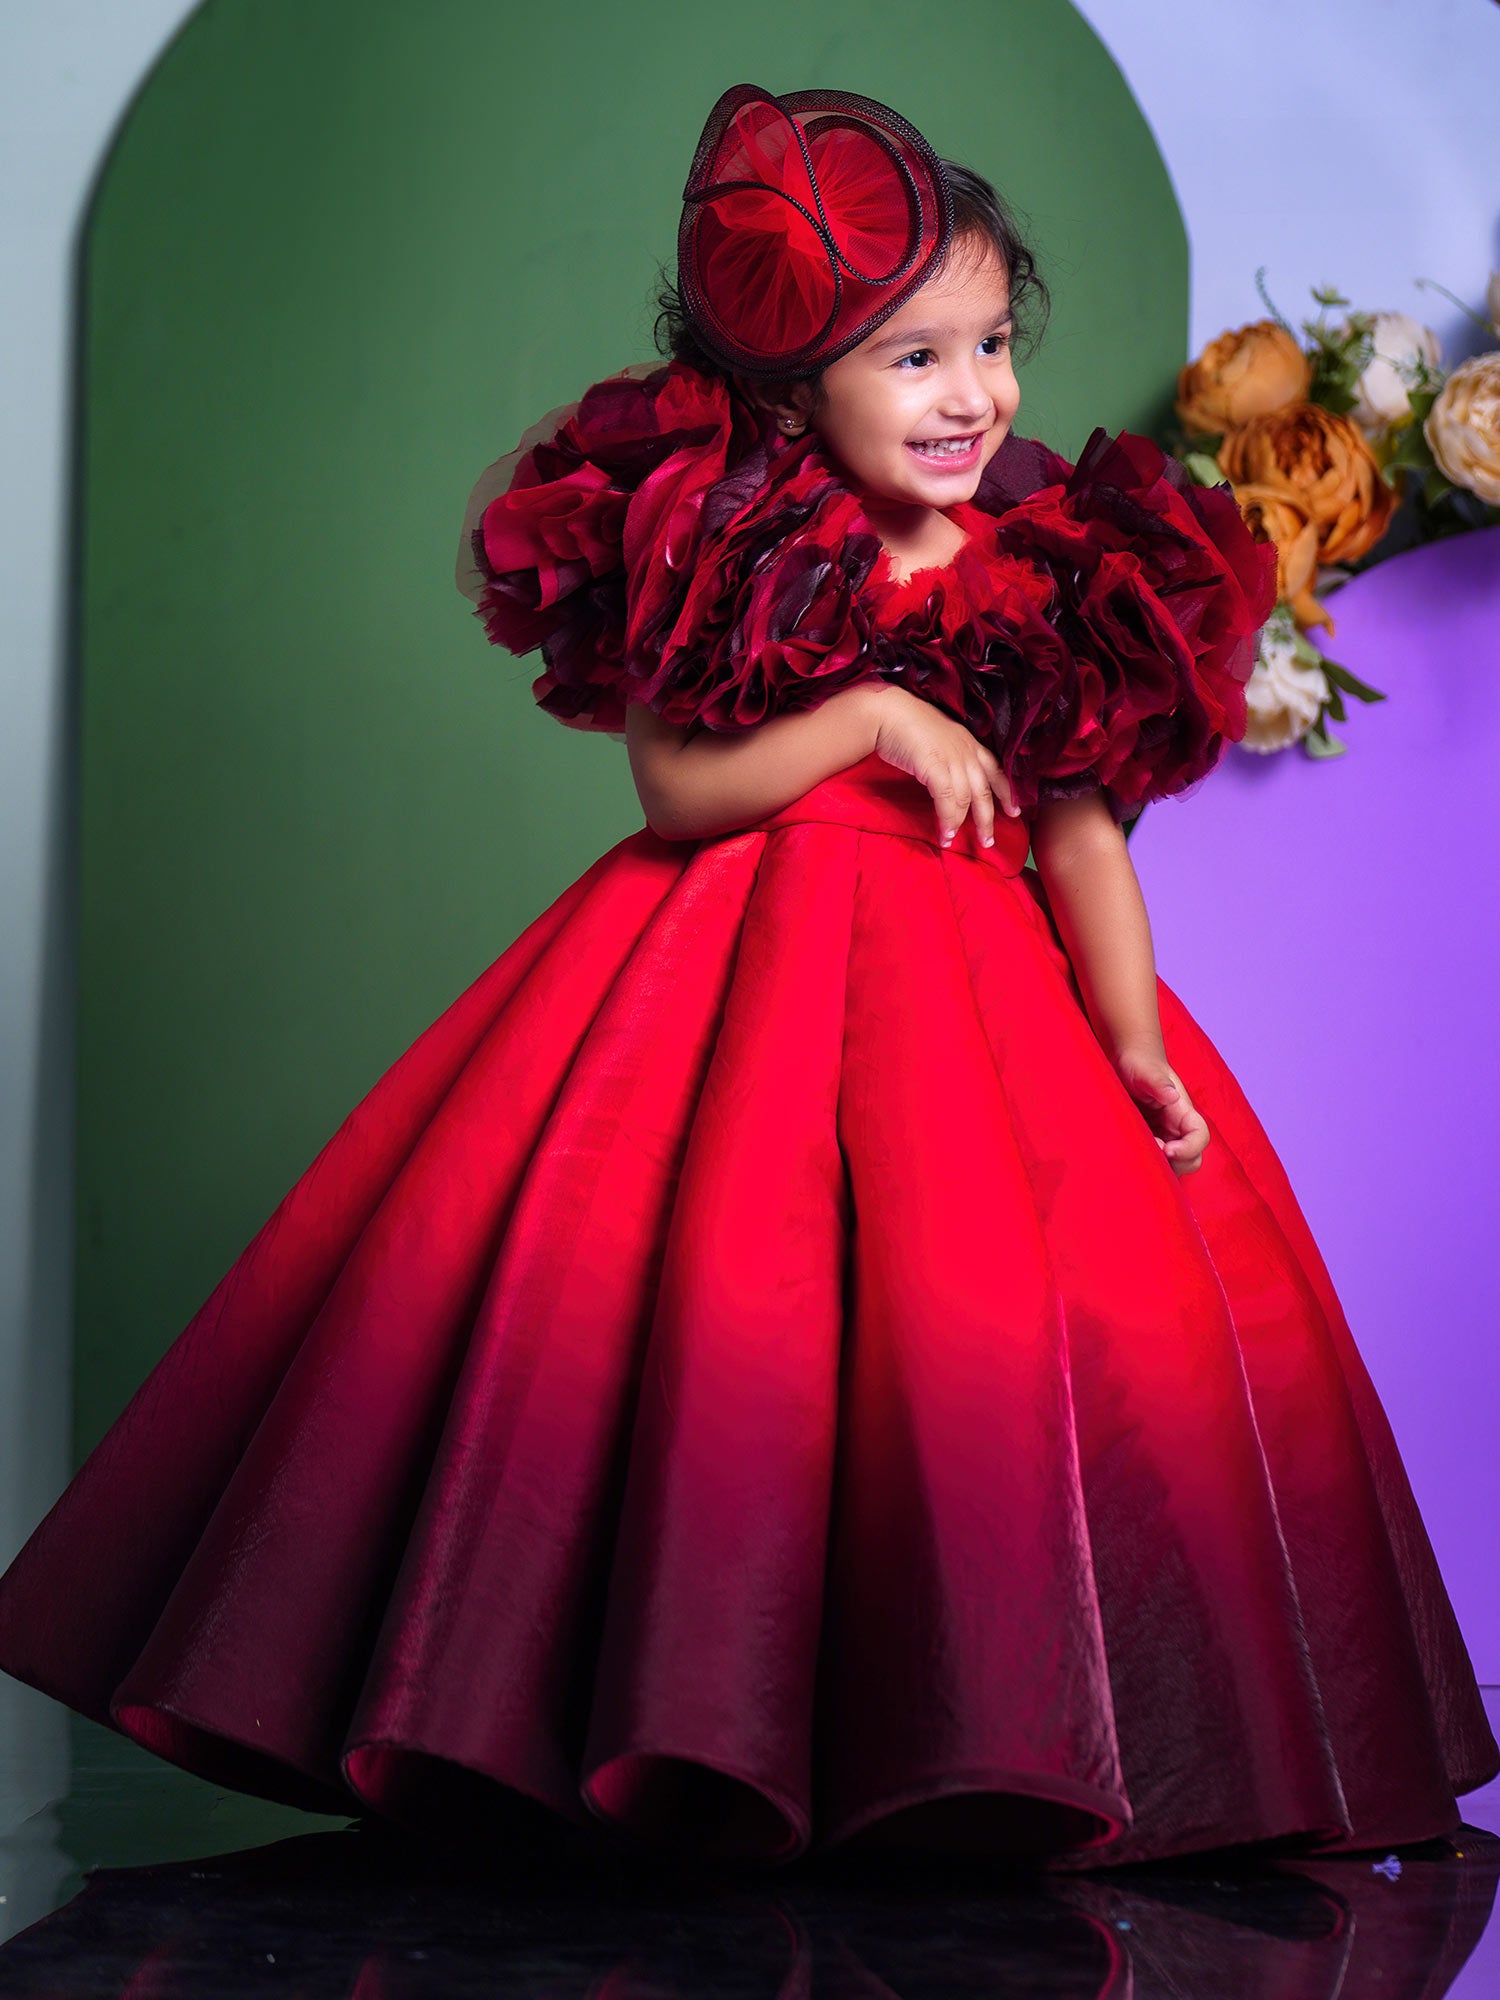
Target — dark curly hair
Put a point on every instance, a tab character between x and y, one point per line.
979	215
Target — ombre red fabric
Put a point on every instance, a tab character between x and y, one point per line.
1097	630
748	1376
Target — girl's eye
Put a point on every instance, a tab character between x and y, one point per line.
923	357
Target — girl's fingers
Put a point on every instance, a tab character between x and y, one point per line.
961	792
951	797
1176	1117
971	784
998	783
982	804
1185	1151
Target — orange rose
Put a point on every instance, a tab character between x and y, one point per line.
1320	460
1274	515
1243	374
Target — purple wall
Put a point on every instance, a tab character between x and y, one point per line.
1335	927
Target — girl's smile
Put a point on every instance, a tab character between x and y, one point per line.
949	454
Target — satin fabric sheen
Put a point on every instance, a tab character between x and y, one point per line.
748	1375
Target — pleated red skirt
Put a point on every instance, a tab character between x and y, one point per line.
748	1375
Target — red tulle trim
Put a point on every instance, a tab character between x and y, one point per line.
1096	630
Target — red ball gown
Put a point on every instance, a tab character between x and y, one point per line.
747	1374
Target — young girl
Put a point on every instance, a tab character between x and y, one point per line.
814	1344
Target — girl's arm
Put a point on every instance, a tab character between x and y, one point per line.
713	780
1100	913
695	786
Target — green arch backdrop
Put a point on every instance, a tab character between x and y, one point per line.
340	258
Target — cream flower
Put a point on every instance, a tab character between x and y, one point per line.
1463	428
1405	352
1283	698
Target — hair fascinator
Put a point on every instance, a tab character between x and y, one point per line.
807	220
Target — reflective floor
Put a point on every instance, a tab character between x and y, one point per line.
131	1878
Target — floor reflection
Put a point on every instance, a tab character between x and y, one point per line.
355	1912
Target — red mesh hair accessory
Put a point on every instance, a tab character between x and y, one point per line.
807	220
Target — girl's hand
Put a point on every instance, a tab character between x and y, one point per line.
1179	1129
960	773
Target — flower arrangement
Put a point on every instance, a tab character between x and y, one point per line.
1343	447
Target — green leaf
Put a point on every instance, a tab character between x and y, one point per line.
1207	471
1405	448
1317	743
1335	705
1438	488
1340	677
1334	393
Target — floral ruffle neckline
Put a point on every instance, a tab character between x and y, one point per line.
1096	627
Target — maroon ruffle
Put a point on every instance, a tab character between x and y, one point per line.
1161	594
617	492
1096	630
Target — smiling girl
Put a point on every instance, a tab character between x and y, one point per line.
814	1344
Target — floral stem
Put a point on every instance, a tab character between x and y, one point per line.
1478	318
1270	305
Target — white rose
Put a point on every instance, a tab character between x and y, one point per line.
1405	352
1492	300
1464	427
1283	697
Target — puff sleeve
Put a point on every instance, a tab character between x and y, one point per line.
1159	594
558	533
659	543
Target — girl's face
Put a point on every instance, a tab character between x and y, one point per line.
915	413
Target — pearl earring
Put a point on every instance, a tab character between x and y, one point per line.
791	426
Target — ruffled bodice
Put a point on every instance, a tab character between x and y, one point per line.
1096	628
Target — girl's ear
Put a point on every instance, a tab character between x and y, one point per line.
790	403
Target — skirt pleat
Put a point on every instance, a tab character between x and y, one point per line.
748	1377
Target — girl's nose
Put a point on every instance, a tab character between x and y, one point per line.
966	399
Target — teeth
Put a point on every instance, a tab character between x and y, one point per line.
944	447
